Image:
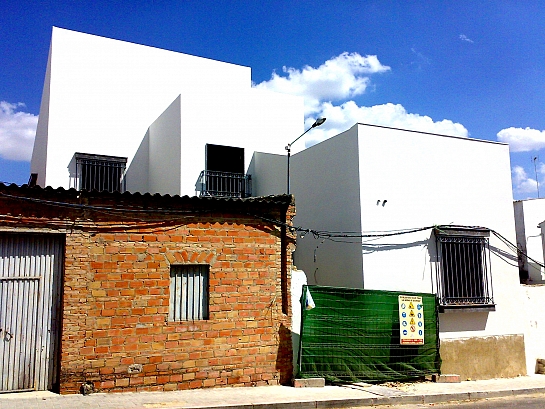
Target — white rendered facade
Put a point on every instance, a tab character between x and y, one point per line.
528	215
376	179
157	108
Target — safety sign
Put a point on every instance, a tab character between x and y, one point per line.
411	332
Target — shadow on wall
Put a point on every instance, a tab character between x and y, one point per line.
509	258
428	245
295	343
284	357
536	274
463	321
529	272
371	248
467	321
136	176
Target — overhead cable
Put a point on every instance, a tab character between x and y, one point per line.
335	236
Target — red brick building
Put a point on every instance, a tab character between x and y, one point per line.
144	292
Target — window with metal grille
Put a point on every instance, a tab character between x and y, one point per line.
188	292
463	268
100	172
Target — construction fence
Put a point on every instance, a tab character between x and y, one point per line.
351	335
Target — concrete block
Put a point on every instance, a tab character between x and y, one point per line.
446	378
540	366
309	383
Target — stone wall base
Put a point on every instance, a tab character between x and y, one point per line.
490	357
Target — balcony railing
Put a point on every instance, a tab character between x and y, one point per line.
98	172
223	184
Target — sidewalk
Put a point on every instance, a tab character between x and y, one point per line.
284	396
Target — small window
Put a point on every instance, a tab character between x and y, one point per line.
99	172
188	292
463	269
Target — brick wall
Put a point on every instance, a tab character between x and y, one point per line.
115	329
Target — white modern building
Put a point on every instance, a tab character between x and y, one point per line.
379	208
528	215
529	224
116	115
428	207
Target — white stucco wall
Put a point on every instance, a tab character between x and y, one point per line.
274	168
533	315
137	173
165	152
528	215
39	152
104	94
428	180
240	118
325	183
298	280
374	179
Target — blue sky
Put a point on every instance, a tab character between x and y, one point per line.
468	68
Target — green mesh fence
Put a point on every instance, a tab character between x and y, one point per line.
354	336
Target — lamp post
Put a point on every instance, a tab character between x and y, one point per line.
317	123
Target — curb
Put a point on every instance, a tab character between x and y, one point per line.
379	397
382	401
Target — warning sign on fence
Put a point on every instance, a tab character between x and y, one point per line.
411	320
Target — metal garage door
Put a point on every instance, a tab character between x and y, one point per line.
30	282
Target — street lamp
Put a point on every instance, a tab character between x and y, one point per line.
317	123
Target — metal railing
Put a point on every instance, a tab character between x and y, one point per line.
99	172
223	184
463	276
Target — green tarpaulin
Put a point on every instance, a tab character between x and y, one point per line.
350	335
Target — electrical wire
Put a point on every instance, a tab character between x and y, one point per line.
335	236
515	249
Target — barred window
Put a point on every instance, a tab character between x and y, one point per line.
188	292
463	269
99	172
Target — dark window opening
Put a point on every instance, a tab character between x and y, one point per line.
227	159
224	173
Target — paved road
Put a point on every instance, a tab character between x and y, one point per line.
515	402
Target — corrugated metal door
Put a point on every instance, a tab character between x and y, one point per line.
30	283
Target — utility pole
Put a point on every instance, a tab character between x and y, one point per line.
535	170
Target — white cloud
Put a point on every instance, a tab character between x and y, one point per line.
339	78
541	167
421	60
522	183
522	140
342	117
463	37
17	131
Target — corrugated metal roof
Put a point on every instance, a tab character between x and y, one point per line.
143	201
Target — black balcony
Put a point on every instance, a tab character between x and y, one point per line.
223	184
